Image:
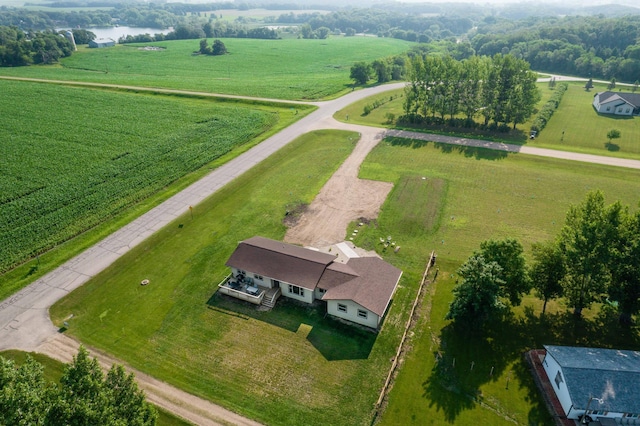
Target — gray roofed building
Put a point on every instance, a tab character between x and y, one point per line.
617	103
102	42
601	382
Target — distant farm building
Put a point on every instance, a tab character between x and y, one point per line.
620	103
102	42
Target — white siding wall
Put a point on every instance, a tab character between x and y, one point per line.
352	313
264	282
552	368
317	294
307	297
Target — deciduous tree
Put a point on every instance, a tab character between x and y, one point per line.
218	48
476	298
508	254
360	73
547	271
613	134
584	240
84	397
625	268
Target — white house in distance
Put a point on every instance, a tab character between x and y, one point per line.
355	288
620	103
604	384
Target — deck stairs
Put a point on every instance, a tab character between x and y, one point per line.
270	297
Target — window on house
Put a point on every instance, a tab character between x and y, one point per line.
322	290
240	271
608	108
342	308
257	277
362	313
294	289
627	111
559	379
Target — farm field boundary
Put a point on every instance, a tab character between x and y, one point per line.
133	150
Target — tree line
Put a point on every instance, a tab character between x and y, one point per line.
594	258
84	396
592	46
18	48
500	89
383	23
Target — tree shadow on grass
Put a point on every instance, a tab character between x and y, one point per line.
612	146
467	361
468	151
334	339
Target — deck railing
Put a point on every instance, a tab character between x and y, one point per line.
240	293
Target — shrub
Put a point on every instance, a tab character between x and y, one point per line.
545	113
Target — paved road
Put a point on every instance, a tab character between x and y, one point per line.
24	318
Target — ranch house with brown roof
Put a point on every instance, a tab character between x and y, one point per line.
355	288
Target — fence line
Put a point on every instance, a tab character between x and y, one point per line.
394	365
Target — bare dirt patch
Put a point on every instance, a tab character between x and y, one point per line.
343	199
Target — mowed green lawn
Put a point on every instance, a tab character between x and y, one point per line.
75	158
289	366
479	195
585	130
282	69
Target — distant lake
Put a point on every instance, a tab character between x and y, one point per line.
116	32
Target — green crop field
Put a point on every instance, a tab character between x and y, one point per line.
73	158
307	370
282	69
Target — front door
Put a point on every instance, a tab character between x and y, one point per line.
275	283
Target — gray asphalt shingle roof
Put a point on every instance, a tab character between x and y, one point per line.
609	374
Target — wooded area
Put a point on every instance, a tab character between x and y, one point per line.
501	90
594	259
